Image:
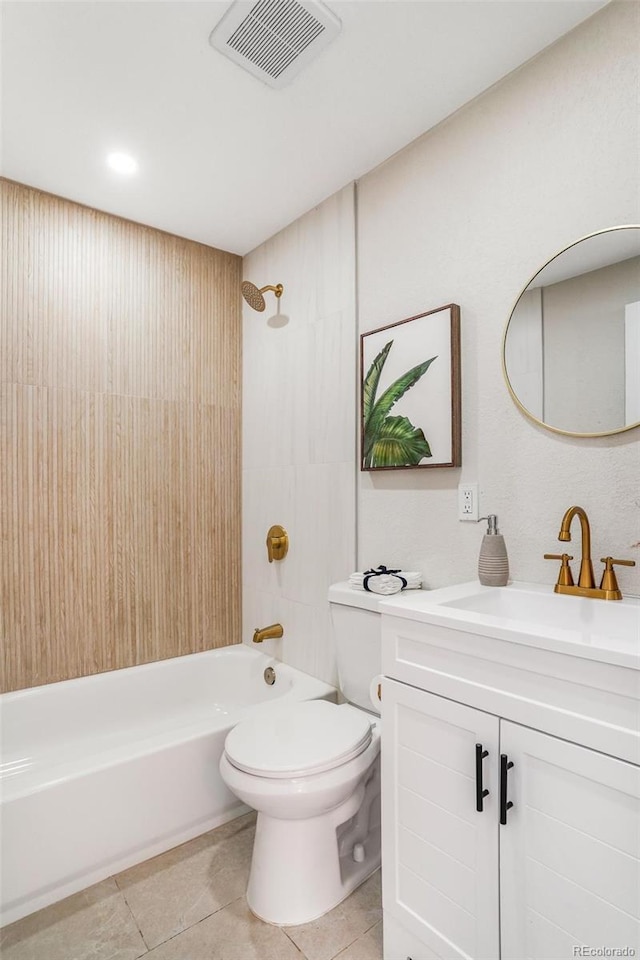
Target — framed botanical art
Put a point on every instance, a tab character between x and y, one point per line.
410	392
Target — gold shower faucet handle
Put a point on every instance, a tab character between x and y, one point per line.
277	543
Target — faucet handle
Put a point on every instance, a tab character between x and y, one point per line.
565	577
609	581
277	543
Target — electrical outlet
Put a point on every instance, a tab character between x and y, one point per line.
468	502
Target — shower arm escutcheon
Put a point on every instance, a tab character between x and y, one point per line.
277	543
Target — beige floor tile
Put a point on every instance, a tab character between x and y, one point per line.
95	924
231	934
366	947
177	889
324	938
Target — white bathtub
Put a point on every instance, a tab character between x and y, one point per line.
102	772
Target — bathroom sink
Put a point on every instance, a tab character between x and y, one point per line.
552	609
533	614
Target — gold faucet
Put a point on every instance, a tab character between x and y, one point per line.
586	586
586	578
273	632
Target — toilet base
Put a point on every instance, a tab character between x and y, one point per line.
301	869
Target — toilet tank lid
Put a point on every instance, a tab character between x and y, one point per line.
350	596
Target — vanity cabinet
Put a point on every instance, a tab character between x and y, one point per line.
562	869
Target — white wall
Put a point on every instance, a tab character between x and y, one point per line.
299	432
467	214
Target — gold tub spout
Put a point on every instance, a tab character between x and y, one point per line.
273	632
586	579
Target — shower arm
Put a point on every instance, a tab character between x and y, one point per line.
277	289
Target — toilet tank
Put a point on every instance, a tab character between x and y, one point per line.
356	624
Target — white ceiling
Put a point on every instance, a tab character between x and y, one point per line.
223	158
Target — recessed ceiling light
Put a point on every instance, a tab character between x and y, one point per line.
122	163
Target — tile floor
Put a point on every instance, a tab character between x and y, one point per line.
188	904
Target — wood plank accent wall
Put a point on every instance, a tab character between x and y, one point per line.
120	403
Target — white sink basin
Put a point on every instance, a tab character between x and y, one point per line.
607	630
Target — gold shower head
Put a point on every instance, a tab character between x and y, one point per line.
254	297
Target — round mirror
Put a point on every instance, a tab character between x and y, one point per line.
571	349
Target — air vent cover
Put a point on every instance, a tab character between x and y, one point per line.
274	39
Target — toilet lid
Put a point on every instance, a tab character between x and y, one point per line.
298	740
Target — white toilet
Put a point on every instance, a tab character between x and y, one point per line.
312	771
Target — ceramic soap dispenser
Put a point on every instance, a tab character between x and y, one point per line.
493	563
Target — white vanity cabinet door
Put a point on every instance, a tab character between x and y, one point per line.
570	850
440	855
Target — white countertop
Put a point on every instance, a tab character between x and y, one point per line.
530	614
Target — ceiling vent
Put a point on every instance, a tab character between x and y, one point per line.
275	39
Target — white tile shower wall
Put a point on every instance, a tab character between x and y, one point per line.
299	431
467	214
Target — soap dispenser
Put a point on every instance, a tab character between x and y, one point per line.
493	563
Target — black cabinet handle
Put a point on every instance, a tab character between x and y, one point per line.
480	793
505	764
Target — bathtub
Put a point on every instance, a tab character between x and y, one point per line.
102	772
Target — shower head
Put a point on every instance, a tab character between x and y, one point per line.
254	297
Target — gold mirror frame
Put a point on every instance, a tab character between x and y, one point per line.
514	396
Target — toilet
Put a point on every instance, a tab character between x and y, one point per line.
312	771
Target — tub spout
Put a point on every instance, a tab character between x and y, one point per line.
274	632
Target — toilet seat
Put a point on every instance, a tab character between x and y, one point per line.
298	740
